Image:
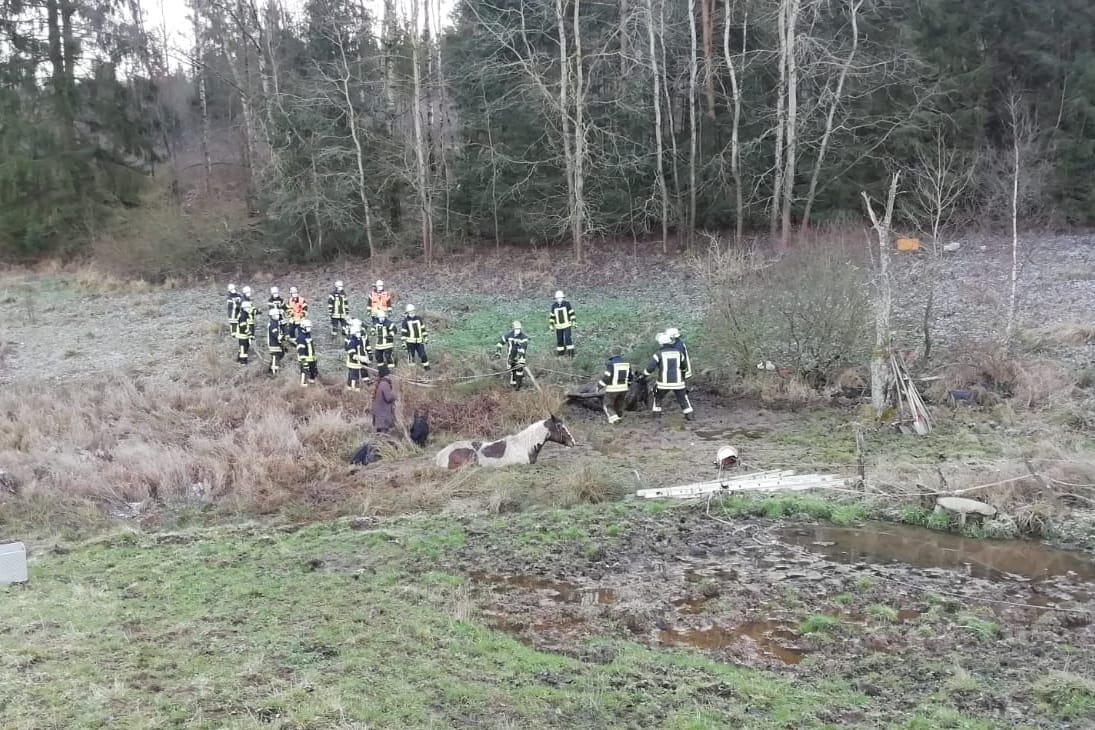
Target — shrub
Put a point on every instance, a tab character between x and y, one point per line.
807	313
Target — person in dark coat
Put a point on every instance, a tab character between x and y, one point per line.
383	401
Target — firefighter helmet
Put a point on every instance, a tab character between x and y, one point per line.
516	326
247	291
673	333
273	291
559	295
381	315
727	456
379	285
409	309
338	285
231	288
306	325
247	305
662	339
292	291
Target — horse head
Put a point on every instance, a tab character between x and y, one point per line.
558	432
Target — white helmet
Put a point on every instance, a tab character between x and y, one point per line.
559	295
379	284
338	285
516	326
409	309
662	339
231	288
273	291
292	290
673	333
355	326
247	305
247	291
306	324
274	313
382	315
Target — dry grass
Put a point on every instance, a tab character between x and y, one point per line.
1027	383
1064	333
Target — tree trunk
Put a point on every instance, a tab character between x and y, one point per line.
781	123
707	18
660	149
359	149
854	6
203	100
693	68
425	204
1013	296
564	111
59	75
790	158
673	151
735	143
622	30
579	138
883	303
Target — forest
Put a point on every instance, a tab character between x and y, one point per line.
333	128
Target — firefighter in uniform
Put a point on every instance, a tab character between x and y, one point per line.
245	331
561	320
297	307
306	353
679	346
357	355
413	332
246	294
515	343
384	335
275	301
337	309
275	340
380	300
234	301
615	382
670	365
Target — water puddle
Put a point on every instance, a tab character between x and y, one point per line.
771	637
732	435
997	560
554	591
690	604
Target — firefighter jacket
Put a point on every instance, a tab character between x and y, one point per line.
235	303
245	325
298	308
379	301
680	347
273	335
413	331
276	303
515	343
383	335
306	348
337	305
357	355
616	376
668	363
561	316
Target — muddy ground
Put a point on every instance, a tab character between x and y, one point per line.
901	613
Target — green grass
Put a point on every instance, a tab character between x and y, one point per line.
1067	696
328	627
981	629
884	614
795	506
819	624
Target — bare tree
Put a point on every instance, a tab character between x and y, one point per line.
659	145
778	167
790	157
693	63
834	103
883	304
425	204
942	179
735	127
203	98
356	134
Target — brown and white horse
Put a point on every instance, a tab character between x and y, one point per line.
519	448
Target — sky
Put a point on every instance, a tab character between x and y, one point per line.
174	16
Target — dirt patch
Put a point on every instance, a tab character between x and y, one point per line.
801	598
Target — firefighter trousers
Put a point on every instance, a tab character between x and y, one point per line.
418	350
564	341
614	405
679	394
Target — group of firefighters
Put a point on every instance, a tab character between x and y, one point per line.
366	347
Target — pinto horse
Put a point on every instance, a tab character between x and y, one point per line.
518	448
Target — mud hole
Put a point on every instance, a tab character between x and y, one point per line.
894	610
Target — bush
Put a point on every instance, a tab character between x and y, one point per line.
807	313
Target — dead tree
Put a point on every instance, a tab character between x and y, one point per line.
660	146
422	176
693	68
735	127
883	303
356	134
